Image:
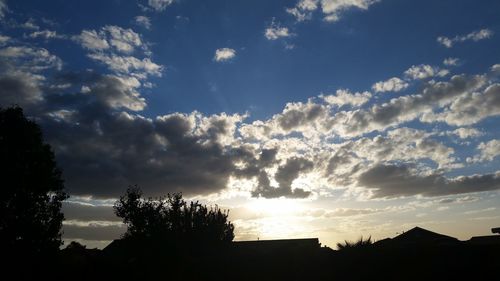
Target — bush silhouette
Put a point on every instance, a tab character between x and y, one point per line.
172	218
32	188
360	243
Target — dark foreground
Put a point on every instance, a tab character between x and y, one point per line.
380	261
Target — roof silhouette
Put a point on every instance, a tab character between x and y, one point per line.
420	235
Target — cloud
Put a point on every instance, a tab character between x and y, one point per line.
298	116
75	211
403	144
3	8
92	40
20	88
473	36
94	231
124	40
46	34
451	61
275	31
314	119
458	200
303	9
113	46
117	92
488	151
128	64
391	181
224	54
344	97
160	5
170	153
424	71
332	9
465	133
406	108
285	176
394	84
21	78
30	24
28	58
469	108
4	39
143	21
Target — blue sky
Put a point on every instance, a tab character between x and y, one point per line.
370	113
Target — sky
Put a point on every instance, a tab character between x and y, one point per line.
311	118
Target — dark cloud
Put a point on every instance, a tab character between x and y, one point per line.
93	232
87	212
103	149
102	157
254	165
389	181
470	108
285	176
19	89
296	115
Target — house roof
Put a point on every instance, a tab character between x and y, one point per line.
280	244
420	235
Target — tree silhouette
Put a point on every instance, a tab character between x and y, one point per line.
359	244
32	188
172	218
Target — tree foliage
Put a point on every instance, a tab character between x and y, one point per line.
360	243
172	218
32	187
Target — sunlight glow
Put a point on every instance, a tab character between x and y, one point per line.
275	207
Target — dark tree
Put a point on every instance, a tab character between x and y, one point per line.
31	188
172	218
359	244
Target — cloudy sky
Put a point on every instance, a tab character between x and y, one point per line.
311	118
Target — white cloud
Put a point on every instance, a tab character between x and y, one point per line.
401	144
303	9
394	84
275	31
224	54
143	21
3	8
344	97
127	64
332	9
46	34
92	40
451	61
473	36
487	151
33	59
124	40
30	24
160	5
465	133
4	39
424	71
